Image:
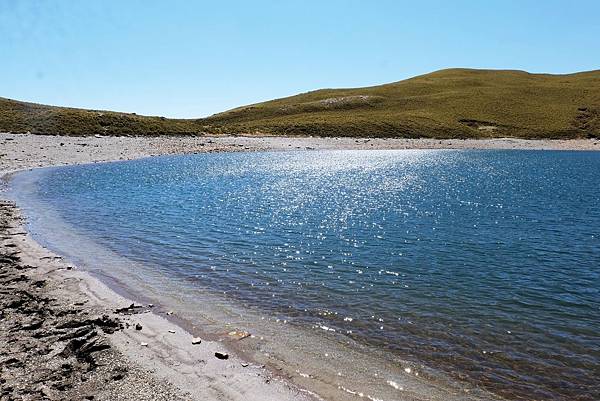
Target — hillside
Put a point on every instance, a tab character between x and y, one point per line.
447	103
21	117
444	104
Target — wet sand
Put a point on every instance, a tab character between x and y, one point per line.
66	335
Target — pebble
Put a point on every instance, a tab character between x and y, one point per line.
138	326
196	341
172	331
221	355
144	344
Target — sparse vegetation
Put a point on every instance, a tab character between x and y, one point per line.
21	117
455	103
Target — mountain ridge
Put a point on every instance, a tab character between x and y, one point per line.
449	103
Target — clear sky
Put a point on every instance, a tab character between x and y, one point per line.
195	58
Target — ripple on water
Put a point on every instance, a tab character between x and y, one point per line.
482	264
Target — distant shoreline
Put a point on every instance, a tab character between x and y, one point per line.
45	150
22	151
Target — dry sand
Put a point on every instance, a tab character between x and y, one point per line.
62	337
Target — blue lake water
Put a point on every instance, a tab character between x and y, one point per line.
484	265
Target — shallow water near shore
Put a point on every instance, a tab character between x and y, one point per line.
471	270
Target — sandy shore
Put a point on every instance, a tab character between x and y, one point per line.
66	335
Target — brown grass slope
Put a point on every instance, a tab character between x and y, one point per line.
21	117
450	103
447	103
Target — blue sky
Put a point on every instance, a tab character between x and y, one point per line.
194	58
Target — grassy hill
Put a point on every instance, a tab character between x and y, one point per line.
443	104
447	103
21	117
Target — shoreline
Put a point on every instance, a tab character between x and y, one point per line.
169	362
157	362
159	355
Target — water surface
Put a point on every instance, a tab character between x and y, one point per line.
482	265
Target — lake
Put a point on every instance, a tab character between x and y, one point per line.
479	269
